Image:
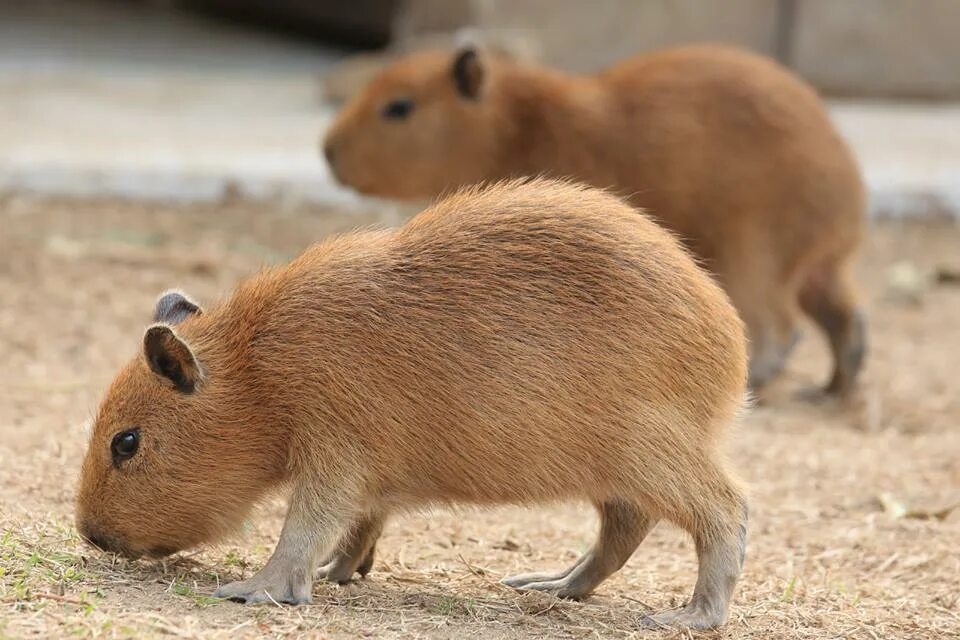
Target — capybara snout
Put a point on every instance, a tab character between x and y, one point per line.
100	541
154	480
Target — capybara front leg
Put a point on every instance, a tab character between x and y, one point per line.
355	551
288	575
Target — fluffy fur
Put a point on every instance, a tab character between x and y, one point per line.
524	343
728	149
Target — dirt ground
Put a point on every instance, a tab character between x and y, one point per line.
852	532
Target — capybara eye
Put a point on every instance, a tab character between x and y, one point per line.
125	445
398	109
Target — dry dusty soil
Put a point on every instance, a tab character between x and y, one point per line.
852	532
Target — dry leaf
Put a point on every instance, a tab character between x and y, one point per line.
891	505
905	283
897	509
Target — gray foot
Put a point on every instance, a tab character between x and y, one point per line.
622	527
342	567
269	586
690	617
354	553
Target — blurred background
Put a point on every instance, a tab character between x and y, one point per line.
197	99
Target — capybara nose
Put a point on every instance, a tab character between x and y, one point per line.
94	537
97	541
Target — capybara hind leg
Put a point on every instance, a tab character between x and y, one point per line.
770	346
769	310
522	580
829	298
720	554
772	334
623	526
354	553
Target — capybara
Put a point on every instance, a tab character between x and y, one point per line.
729	150
529	342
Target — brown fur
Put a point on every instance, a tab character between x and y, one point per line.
525	343
729	150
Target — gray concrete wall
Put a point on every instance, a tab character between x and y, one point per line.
583	36
845	47
879	47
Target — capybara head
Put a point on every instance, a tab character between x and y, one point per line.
428	111
172	461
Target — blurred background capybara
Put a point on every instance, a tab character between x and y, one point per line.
728	149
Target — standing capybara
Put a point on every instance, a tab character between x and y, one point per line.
525	343
729	150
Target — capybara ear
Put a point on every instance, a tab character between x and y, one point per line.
171	358
174	307
468	72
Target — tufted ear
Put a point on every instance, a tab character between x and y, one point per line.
169	357
468	72
174	307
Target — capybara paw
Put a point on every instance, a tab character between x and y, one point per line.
340	569
689	617
259	589
522	580
568	586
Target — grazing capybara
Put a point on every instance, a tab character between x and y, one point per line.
729	150
524	343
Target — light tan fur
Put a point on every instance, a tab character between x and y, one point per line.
729	150
524	343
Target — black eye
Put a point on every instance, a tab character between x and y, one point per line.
398	109
125	445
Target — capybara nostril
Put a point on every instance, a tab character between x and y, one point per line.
98	542
92	536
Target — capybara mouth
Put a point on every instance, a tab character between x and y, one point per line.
110	544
